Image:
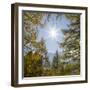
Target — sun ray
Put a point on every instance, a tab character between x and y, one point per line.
53	34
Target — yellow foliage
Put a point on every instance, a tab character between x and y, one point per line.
36	57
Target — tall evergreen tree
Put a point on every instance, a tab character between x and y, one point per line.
55	61
71	42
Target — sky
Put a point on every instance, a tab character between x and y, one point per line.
51	32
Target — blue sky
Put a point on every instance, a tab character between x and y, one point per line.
46	32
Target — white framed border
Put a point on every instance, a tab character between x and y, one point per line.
34	80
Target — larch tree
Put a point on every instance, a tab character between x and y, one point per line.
35	50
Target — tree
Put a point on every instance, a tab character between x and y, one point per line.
30	23
32	65
34	50
33	60
71	41
55	61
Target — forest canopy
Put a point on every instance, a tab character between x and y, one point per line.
51	44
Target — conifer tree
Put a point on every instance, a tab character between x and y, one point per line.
71	42
55	61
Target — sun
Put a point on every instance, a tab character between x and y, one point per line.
53	33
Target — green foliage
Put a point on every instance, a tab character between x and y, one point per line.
70	69
71	42
33	60
34	17
36	61
55	61
71	46
32	64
